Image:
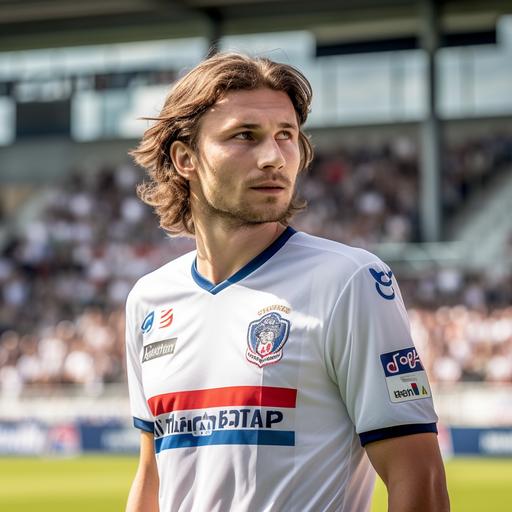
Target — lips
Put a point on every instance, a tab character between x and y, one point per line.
273	189
268	186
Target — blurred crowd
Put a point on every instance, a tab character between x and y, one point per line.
64	278
462	344
369	193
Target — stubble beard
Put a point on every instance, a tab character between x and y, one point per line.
243	215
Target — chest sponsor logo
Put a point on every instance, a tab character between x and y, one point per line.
405	376
383	283
266	338
258	415
166	318
159	349
148	322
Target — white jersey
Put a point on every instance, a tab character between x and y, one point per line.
261	391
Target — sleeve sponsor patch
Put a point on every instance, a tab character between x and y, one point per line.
405	376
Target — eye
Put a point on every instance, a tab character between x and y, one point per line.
244	136
284	135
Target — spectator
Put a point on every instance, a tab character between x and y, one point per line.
65	279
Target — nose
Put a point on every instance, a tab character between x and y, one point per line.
270	155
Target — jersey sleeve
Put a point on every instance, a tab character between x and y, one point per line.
142	416
371	356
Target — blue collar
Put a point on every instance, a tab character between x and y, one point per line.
247	269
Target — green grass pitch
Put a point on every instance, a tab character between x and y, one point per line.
100	484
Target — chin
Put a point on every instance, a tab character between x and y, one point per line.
266	216
270	212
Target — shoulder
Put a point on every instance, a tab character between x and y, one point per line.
335	258
172	272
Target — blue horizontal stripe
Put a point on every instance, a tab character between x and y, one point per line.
147	426
260	437
397	431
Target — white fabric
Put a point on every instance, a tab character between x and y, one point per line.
311	398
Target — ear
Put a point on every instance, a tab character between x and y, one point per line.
183	159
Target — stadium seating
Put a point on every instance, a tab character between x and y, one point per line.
65	275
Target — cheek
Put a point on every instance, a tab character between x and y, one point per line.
223	176
293	158
216	166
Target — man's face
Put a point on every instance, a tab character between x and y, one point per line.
248	157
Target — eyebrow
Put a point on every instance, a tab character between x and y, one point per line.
255	126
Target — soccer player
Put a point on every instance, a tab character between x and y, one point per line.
268	370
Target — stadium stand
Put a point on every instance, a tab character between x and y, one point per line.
66	273
370	194
73	238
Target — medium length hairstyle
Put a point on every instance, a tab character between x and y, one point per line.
168	192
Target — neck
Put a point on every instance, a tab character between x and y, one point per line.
223	250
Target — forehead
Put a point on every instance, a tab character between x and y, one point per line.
256	106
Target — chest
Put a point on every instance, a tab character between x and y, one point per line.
241	337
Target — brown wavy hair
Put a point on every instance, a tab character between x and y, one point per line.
168	192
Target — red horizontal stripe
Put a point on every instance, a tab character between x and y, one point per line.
262	396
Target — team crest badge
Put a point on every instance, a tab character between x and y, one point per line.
266	338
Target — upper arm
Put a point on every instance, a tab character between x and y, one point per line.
147	452
412	469
142	416
371	356
144	490
143	495
383	384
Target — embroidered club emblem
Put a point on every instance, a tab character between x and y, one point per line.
266	338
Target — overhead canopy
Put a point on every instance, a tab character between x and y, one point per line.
27	24
336	25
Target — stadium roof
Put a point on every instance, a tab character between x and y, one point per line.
30	24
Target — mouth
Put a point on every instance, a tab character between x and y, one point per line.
268	188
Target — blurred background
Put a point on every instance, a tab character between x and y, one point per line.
412	125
